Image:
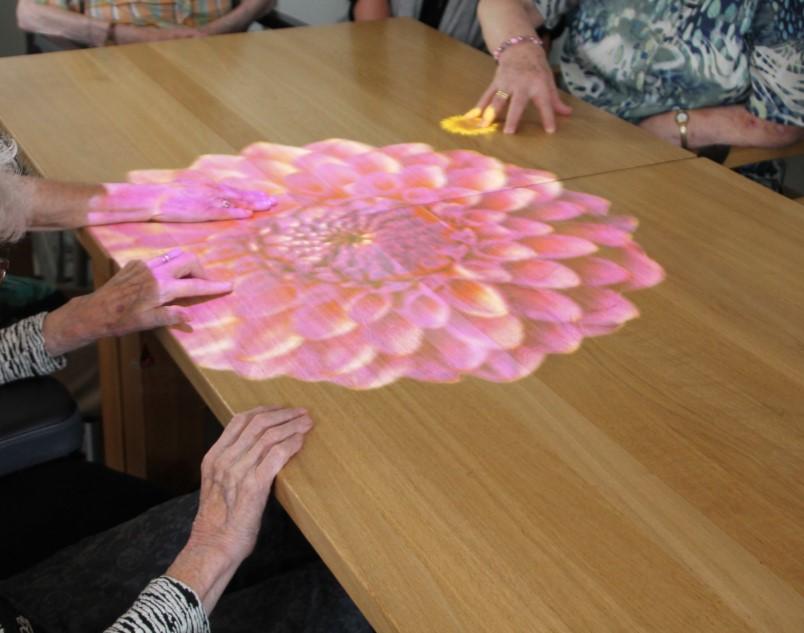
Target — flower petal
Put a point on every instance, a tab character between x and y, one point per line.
559	246
539	273
370	307
603	306
426	310
474	297
542	304
394	335
596	271
322	321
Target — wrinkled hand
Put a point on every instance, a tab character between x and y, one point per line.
133	300
525	75
236	478
237	474
190	201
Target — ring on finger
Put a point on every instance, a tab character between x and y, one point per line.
503	95
222	203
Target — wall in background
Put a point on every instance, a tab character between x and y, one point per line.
12	40
314	11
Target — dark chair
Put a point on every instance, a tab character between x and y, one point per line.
39	422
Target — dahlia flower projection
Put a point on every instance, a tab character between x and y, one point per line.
382	263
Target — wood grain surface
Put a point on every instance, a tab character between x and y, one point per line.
96	114
652	481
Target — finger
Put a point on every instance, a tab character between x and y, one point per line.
162	317
248	199
278	456
164	258
183	264
485	100
518	104
559	105
261	445
236	425
545	108
263	421
191	287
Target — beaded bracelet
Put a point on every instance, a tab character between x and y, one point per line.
511	41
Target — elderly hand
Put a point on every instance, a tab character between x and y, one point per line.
236	478
131	34
524	75
134	299
181	201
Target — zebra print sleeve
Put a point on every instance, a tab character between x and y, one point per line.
165	606
23	353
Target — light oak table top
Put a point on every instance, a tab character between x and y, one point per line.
96	114
651	481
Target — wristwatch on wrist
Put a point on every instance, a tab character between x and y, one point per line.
682	119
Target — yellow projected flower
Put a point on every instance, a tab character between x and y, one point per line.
472	123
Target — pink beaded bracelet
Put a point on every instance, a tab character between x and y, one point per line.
512	41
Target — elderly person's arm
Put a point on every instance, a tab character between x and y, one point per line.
136	297
523	72
37	203
773	114
236	478
239	18
724	125
60	22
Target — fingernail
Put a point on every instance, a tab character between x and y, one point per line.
473	113
488	115
550	130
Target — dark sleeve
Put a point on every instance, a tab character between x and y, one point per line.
165	606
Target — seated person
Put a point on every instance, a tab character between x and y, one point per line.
695	74
86	587
456	18
104	22
283	587
136	297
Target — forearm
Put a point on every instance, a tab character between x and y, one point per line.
49	204
57	22
724	125
503	19
23	351
371	10
240	18
206	569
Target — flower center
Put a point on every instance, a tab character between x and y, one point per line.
362	247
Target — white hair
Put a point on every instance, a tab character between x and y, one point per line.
12	217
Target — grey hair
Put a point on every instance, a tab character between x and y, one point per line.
12	216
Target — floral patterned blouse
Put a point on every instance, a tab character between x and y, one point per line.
642	57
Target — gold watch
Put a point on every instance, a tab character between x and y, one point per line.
682	119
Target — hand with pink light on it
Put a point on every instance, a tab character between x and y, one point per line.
181	201
135	299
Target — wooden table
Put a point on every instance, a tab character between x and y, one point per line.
96	114
652	481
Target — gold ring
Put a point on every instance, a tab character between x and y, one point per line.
502	94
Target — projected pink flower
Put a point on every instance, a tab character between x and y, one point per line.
398	262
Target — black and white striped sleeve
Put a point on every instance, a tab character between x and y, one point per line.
165	606
23	353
